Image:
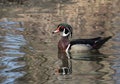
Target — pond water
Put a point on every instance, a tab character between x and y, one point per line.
22	64
11	57
84	68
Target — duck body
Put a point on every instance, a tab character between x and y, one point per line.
81	45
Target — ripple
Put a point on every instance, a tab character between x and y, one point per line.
10	51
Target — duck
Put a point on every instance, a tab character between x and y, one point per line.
65	45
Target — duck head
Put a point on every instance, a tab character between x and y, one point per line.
65	29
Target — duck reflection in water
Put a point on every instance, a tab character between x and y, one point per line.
65	67
89	56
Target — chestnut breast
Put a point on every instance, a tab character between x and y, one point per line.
62	44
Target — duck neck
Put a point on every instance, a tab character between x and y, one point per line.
65	37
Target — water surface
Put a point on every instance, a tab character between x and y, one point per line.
32	58
10	54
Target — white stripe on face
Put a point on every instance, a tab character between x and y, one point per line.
64	34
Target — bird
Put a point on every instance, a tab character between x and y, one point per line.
65	45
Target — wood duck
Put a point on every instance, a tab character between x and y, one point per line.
83	45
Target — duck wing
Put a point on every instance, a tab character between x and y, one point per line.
90	41
96	43
100	42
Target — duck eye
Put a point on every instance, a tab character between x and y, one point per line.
61	28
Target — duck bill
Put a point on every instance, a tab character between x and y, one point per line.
57	30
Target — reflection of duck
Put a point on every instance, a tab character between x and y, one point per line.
89	56
65	45
65	67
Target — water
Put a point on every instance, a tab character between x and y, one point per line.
90	69
83	68
10	44
22	64
116	62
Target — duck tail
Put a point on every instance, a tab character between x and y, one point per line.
100	42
